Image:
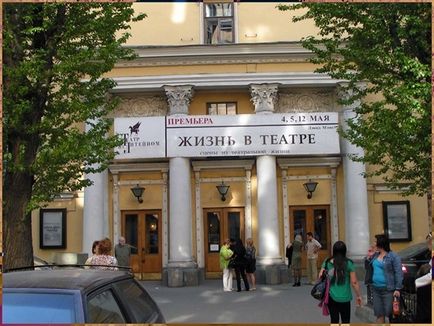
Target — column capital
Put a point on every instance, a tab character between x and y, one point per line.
179	98
264	97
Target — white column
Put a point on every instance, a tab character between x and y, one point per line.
95	226
264	97
180	212
95	210
180	223
356	194
268	226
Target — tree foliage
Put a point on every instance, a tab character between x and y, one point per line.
55	56
387	47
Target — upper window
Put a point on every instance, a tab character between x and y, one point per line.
219	23
222	108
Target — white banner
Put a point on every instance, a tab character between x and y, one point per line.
240	135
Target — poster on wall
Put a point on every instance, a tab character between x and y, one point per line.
52	229
397	221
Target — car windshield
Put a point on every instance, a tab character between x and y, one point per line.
20	308
413	250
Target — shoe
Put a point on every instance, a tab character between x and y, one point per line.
238	290
253	289
295	284
298	284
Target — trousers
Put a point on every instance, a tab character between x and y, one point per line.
227	280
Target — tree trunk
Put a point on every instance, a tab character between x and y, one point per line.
17	224
430	217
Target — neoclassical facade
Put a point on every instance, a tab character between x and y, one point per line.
250	114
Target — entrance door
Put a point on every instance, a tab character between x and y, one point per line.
315	219
142	230
220	224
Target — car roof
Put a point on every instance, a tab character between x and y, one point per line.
413	250
71	279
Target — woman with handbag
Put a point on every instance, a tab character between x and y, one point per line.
384	268
341	272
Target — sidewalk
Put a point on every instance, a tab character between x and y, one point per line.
207	303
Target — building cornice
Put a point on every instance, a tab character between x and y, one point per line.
223	81
332	162
222	164
278	52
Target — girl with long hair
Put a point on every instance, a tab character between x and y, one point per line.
341	271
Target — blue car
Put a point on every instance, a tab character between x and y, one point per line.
76	296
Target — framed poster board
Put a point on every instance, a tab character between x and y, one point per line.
52	224
397	220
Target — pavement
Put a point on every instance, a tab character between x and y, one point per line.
207	303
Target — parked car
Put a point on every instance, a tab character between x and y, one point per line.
76	296
412	258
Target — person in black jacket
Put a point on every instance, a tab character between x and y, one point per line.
240	264
288	254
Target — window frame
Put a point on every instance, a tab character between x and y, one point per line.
208	104
108	288
217	19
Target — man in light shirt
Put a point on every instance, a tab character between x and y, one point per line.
312	248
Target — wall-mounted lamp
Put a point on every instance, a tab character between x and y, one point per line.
310	187
138	192
223	190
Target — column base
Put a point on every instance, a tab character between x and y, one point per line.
182	276
272	274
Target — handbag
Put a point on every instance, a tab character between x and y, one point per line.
319	289
405	315
232	263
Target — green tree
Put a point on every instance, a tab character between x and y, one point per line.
387	46
55	56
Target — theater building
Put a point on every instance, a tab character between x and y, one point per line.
226	126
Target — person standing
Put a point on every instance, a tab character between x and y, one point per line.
240	264
123	252
94	249
297	248
312	248
342	275
225	255
251	263
386	277
103	258
288	255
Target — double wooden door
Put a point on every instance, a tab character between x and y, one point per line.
315	219
142	230
220	224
